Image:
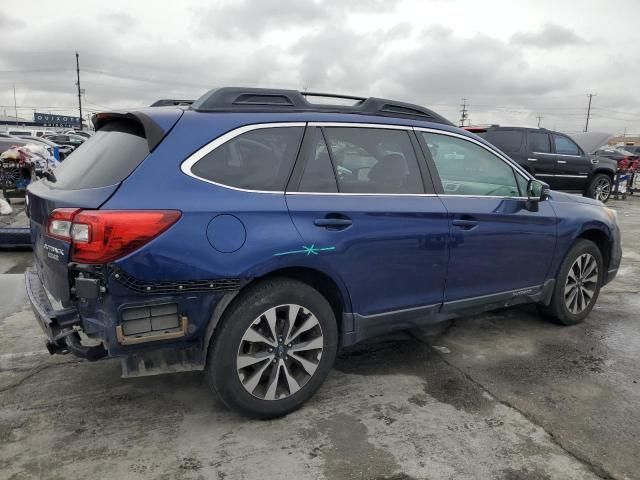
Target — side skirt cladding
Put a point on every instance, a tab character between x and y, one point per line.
368	326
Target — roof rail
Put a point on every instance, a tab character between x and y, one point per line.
169	102
238	99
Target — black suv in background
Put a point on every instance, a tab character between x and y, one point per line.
554	158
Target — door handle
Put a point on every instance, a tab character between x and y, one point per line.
532	159
465	224
333	222
562	161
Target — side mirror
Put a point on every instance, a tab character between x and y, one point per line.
537	191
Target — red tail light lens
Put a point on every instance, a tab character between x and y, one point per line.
101	236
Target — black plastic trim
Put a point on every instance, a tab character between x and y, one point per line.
173	287
238	99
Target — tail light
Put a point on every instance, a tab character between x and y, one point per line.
101	236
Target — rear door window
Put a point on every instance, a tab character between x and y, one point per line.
508	141
565	146
318	175
539	142
256	160
107	158
374	160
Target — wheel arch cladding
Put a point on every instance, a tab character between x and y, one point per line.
338	298
602	241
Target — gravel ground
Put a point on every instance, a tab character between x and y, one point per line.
503	395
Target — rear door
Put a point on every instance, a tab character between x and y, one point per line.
573	166
357	198
541	160
498	246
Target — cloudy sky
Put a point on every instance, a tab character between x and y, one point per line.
512	60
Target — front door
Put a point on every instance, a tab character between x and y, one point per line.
497	244
540	157
358	199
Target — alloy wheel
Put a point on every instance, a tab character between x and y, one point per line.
279	352
581	284
602	189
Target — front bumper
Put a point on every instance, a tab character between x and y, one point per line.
58	325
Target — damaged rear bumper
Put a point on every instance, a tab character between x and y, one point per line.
58	325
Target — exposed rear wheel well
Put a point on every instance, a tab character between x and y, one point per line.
602	241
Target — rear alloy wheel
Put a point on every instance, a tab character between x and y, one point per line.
600	187
577	285
273	349
279	352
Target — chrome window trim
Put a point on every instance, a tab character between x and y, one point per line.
403	195
558	154
384	126
190	161
209	147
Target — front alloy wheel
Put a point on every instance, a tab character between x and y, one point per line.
279	352
581	284
577	285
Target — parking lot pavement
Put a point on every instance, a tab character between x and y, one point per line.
504	395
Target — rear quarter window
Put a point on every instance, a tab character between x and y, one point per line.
260	159
107	158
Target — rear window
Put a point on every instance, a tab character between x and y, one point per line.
107	158
505	140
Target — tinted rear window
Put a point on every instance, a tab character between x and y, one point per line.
107	158
257	160
505	140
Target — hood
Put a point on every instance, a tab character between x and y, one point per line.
591	141
572	198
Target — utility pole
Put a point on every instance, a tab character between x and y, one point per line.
586	126
15	104
464	112
539	120
78	83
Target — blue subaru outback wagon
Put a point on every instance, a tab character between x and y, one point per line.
255	232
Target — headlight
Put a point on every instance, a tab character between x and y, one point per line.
611	213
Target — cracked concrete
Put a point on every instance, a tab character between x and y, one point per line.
504	395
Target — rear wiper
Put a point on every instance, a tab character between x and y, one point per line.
49	175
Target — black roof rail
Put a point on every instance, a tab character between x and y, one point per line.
238	99
169	102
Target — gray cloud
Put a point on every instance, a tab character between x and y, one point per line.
131	63
245	18
550	36
9	22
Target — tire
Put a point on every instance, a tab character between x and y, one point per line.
562	309
600	187
268	386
